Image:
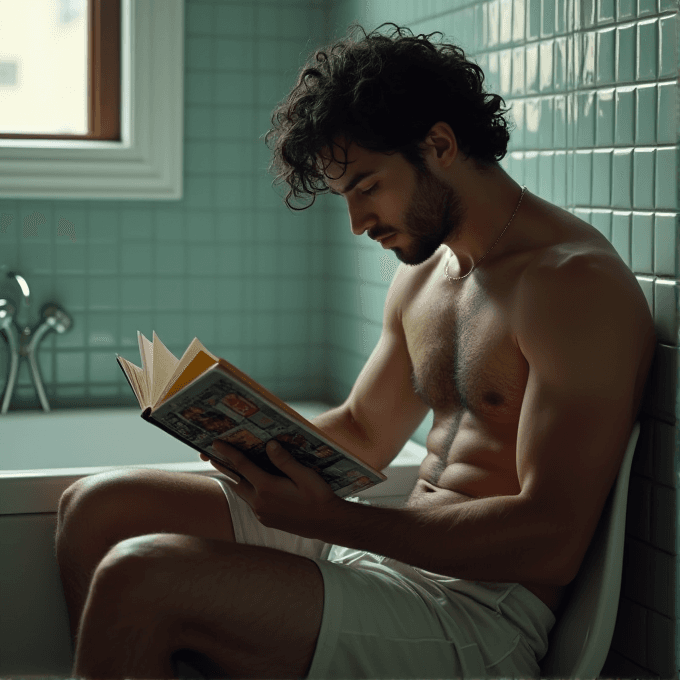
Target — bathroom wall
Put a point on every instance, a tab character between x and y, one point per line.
593	90
229	263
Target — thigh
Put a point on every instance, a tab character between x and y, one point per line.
253	611
112	506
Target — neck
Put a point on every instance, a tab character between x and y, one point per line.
489	202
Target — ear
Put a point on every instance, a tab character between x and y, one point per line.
441	145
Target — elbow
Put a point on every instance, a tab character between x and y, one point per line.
554	543
571	565
562	561
554	556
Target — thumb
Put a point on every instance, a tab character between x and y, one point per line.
276	451
283	459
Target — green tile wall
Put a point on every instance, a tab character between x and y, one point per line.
594	94
229	263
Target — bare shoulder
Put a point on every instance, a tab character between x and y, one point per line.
566	247
587	265
581	298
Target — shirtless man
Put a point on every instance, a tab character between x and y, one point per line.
514	321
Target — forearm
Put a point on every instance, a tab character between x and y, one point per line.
338	425
492	539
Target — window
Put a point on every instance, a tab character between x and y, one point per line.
132	145
60	69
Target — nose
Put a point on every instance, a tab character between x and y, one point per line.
359	218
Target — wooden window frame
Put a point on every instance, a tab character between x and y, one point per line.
146	162
103	61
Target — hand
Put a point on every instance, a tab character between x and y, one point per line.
298	504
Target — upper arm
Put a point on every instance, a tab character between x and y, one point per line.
382	403
584	333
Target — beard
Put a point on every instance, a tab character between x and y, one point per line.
434	215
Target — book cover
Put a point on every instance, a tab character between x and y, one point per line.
209	399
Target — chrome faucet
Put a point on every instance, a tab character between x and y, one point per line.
23	343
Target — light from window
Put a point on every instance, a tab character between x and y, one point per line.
44	67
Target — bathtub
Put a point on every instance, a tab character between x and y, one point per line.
41	454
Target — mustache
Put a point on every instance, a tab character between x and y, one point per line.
379	232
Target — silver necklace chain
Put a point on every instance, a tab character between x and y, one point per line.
458	278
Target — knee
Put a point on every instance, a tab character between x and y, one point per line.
81	493
89	503
134	569
151	559
138	551
67	500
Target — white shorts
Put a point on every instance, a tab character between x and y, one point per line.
386	619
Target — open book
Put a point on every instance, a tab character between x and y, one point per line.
200	398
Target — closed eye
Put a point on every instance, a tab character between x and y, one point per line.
368	192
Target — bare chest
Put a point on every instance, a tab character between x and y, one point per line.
464	355
467	366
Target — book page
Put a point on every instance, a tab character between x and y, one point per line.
195	360
164	365
136	378
146	352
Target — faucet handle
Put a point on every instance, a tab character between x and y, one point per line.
23	288
56	317
8	310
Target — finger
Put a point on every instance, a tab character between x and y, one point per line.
224	453
277	453
223	465
236	482
300	475
232	459
286	462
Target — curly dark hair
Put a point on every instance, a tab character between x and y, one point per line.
384	93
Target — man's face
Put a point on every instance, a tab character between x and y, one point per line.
392	197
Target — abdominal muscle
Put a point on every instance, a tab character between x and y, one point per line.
474	468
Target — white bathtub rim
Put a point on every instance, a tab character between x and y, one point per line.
39	491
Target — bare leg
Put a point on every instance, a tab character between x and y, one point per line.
112	645
97	512
256	612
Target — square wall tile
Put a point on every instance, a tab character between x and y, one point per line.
621	235
602	178
665	248
604	127
646	114
666	188
643	178
622	168
666	310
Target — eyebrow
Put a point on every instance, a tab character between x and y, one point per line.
355	180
